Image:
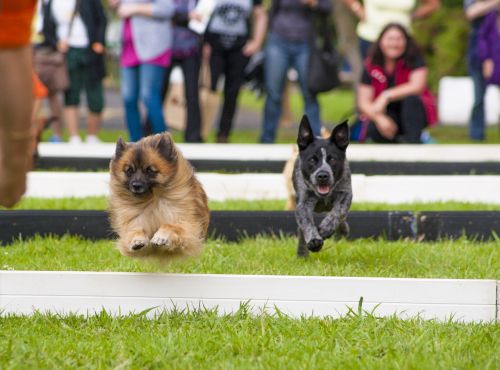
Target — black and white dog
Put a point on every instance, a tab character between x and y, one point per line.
322	182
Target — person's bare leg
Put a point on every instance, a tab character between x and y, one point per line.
16	104
93	123
71	118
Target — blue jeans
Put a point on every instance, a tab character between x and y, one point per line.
364	48
280	56
144	81
477	119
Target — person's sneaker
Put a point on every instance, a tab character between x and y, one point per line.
93	139
75	139
55	139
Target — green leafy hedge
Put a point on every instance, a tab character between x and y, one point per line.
443	37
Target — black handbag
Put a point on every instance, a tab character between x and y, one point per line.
324	61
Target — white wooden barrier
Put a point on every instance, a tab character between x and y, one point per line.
387	189
355	152
24	292
455	99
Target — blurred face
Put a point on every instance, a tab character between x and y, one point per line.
393	43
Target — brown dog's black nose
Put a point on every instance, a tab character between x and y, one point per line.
137	187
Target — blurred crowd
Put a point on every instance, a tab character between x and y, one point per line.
222	44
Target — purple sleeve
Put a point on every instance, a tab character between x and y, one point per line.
324	6
486	31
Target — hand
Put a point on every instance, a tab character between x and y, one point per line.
310	3
114	3
386	126
250	48
98	48
194	15
380	104
358	10
206	51
63	46
488	69
126	10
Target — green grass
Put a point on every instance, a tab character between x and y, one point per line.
100	203
203	340
271	256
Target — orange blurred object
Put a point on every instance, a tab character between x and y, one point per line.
15	20
39	89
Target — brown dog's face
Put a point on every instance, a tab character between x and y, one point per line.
142	166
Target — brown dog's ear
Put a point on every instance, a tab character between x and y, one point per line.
306	135
120	148
340	135
165	147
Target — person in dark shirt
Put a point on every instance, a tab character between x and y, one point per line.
232	44
393	95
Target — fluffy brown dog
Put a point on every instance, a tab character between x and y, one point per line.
157	206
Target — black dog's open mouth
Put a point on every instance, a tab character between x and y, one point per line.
323	189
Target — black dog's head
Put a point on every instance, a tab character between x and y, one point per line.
322	160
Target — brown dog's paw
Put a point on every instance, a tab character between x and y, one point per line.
138	244
165	238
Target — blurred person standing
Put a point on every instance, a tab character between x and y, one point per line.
236	31
43	50
146	53
475	11
186	53
374	15
489	47
288	46
78	27
16	98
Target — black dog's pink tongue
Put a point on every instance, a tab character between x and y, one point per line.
323	189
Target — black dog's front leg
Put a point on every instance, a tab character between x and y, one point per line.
336	218
305	219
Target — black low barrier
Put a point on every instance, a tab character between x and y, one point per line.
232	225
276	166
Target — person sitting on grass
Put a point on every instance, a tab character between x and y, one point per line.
393	97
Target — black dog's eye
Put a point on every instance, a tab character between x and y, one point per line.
129	171
313	160
330	159
150	171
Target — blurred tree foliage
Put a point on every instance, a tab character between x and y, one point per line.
452	3
443	38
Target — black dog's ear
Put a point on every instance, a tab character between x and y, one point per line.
120	148
165	147
306	135
340	135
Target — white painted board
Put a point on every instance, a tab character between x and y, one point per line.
387	189
23	292
260	152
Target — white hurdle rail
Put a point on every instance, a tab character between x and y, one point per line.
120	293
255	186
263	152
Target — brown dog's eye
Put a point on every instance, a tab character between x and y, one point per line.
150	171
129	171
